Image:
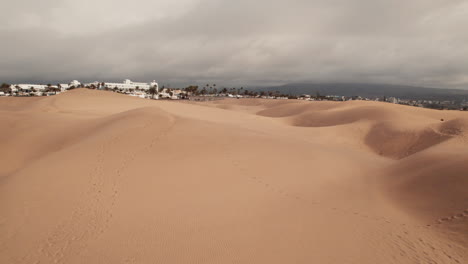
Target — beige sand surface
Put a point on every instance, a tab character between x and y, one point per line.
97	177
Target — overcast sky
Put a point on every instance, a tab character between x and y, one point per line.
231	42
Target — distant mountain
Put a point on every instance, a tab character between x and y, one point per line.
372	91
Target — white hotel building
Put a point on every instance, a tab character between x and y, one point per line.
22	86
41	87
127	85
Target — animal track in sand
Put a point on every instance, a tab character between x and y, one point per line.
406	241
405	237
283	192
96	212
69	233
453	217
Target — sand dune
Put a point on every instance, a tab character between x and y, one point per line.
386	141
433	187
97	177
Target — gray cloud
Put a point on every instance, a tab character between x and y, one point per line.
419	42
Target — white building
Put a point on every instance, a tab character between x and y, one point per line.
127	85
74	83
41	87
96	84
64	86
393	100
22	86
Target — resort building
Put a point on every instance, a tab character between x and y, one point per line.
74	83
41	87
37	87
129	85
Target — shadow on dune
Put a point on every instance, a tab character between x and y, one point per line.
454	127
292	109
324	114
382	137
434	188
389	142
441	183
62	132
134	116
339	117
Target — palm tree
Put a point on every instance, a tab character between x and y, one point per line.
152	91
192	89
6	88
4	85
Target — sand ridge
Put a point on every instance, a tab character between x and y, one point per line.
98	177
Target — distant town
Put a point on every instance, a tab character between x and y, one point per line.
208	92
